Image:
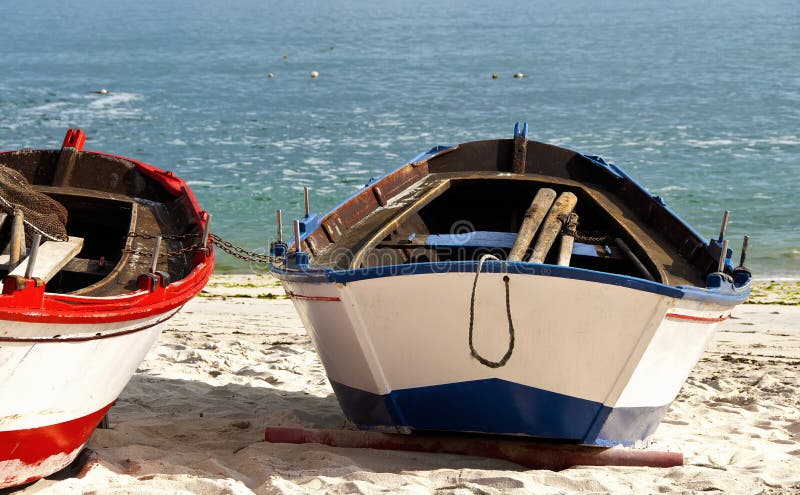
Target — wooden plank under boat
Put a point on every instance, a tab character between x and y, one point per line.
74	328
423	323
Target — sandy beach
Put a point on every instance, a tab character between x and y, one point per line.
237	359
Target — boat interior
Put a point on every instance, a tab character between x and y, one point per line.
466	202
107	199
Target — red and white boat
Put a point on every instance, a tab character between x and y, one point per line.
79	311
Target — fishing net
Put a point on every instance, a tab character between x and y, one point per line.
42	214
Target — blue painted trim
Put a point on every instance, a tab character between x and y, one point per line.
309	224
521	131
477	239
608	167
514	267
496	406
306	276
492	240
427	155
724	296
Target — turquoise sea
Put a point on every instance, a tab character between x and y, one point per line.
699	101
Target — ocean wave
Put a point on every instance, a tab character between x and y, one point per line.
316	161
745	142
113	100
85	109
708	143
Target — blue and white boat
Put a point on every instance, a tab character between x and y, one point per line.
439	299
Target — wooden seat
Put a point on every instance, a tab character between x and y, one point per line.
51	258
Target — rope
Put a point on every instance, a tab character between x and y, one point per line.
472	350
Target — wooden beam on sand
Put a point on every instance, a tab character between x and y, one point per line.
51	258
558	215
530	224
530	453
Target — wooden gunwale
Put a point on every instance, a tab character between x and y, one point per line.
373	226
434	190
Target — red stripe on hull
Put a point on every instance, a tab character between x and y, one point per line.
311	298
31	448
696	318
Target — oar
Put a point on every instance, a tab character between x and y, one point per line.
559	213
530	224
568	240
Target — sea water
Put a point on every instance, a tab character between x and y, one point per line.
698	101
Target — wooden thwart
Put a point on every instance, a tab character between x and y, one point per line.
533	218
51	258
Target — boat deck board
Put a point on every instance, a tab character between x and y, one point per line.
51	258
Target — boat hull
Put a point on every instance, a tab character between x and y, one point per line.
75	328
592	362
58	380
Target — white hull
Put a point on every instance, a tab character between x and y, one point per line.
56	380
599	346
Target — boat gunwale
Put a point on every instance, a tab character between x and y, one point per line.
727	295
131	305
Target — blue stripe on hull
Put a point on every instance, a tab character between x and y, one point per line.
365	409
499	407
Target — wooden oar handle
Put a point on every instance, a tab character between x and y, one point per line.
533	218
559	213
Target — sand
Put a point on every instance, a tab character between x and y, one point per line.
237	359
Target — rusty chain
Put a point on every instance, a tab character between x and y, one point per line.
597	238
172	237
590	239
242	253
187	249
226	246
